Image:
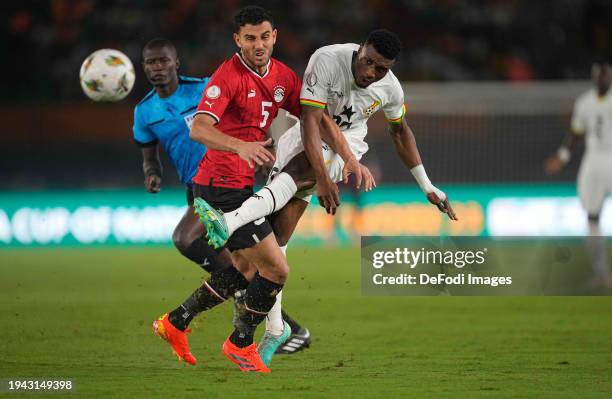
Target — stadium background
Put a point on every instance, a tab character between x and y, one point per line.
489	89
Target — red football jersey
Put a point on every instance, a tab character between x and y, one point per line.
244	104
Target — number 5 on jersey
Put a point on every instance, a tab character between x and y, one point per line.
265	113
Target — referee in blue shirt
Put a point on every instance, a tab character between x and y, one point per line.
164	117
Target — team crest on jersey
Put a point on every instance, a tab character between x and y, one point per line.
371	109
279	93
311	79
213	92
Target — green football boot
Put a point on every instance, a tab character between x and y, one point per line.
213	221
270	343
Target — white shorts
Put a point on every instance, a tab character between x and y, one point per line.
594	181
290	144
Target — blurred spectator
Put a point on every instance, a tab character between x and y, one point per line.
444	39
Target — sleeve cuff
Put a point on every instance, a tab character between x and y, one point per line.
215	117
313	103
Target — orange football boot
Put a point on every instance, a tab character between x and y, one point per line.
247	359
175	337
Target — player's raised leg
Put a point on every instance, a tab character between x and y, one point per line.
296	175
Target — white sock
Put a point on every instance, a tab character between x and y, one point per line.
266	201
274	319
596	244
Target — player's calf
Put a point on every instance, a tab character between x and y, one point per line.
221	285
259	298
261	292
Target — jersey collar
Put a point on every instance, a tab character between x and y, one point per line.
253	70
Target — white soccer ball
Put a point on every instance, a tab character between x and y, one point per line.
107	75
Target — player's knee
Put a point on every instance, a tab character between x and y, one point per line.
245	267
181	240
305	183
281	272
300	171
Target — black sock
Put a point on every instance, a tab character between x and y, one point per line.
221	285
295	327
205	256
258	300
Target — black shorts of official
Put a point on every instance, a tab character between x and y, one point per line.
228	199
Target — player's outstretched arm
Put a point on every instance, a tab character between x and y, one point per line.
152	168
554	163
327	190
331	134
405	145
204	131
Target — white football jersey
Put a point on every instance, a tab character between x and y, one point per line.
592	116
329	83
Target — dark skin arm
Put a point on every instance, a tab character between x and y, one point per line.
327	190
331	134
405	144
406	147
152	168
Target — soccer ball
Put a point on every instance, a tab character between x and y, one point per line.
107	75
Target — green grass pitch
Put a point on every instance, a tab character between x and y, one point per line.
86	314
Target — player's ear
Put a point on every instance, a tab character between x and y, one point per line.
178	63
274	32
237	40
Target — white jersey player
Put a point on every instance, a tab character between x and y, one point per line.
592	120
350	83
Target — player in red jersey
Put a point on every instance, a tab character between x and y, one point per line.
236	110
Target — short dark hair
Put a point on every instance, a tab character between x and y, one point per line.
252	15
385	42
159	42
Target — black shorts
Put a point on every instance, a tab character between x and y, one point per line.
228	199
189	194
